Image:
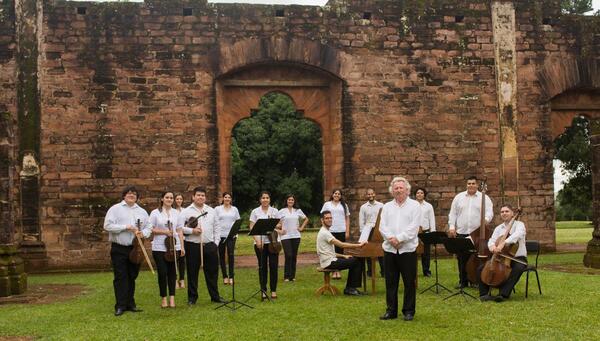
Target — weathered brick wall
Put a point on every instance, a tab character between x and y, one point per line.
127	96
7	121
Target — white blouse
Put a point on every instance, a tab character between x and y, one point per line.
291	222
258	213
159	220
337	213
226	218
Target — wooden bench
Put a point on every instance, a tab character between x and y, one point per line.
327	287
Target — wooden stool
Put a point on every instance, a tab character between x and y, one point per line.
327	287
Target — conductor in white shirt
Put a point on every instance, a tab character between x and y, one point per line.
399	226
464	218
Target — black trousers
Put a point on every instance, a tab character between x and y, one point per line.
381	267
426	258
463	258
290	249
211	269
266	258
125	273
341	236
166	273
404	264
226	245
516	270
181	267
354	275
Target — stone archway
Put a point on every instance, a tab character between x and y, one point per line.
572	88
315	93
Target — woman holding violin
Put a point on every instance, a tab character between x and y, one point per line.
500	244
268	259
178	205
166	246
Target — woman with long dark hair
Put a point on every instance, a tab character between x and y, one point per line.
290	220
227	215
178	205
163	221
264	257
340	227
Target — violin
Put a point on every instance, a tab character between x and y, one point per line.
170	242
497	269
274	245
138	254
193	221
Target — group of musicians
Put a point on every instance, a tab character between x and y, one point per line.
208	242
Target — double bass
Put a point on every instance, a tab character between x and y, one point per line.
479	238
497	269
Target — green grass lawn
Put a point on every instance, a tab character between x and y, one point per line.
569	236
566	310
561	225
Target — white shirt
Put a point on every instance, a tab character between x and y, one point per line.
227	218
402	222
119	216
338	215
258	213
159	220
465	212
325	250
517	235
367	216
291	222
209	224
427	216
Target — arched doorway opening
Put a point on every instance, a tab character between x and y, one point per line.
278	150
314	92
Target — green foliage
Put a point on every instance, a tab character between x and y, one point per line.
278	151
573	150
576	6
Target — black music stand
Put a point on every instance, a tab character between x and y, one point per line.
262	227
460	246
235	304
434	238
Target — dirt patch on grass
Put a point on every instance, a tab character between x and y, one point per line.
45	294
576	268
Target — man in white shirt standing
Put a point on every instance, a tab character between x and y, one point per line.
399	226
464	218
208	233
367	218
516	237
329	259
124	221
427	225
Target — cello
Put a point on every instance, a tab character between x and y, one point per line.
497	269
479	238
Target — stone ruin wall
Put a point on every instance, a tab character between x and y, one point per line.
127	97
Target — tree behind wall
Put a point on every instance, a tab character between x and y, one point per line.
576	6
573	150
279	151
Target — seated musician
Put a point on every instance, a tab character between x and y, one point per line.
330	260
517	236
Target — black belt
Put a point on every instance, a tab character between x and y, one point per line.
119	245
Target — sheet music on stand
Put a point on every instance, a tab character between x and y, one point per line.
234	304
456	246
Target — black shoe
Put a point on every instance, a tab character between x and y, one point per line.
427	274
388	316
460	286
352	292
486	298
409	317
218	300
499	298
135	309
119	311
190	302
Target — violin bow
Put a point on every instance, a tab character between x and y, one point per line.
170	226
